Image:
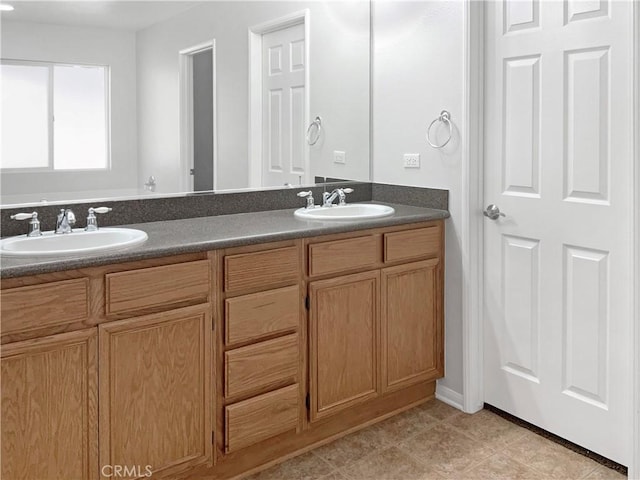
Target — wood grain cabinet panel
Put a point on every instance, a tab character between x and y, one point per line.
44	305
49	395
412	244
263	270
155	390
261	365
344	342
339	256
251	317
260	418
142	388
411	325
158	288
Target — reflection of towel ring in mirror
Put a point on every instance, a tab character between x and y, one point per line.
317	122
445	117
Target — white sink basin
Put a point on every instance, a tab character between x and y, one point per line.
77	242
349	212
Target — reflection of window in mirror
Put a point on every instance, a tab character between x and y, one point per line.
54	116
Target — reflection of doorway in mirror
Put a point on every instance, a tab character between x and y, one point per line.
279	101
198	142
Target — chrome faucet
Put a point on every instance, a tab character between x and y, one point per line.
66	220
340	193
92	221
34	224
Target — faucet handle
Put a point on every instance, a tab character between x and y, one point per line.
342	194
100	209
92	221
24	216
309	196
34	224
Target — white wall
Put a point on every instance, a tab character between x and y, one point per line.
418	71
339	83
65	44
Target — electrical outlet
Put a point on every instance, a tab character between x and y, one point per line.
411	160
339	157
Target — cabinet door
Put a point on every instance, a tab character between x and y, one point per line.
49	407
344	342
411	324
155	391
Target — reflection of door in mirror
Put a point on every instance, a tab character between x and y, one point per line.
279	101
198	114
283	94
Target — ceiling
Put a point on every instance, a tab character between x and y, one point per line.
119	15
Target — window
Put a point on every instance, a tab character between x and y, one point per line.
54	116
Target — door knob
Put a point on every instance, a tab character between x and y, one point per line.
493	212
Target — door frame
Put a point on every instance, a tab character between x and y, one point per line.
472	230
185	59
255	89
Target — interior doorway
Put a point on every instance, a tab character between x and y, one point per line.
198	139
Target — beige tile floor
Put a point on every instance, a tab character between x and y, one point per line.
435	441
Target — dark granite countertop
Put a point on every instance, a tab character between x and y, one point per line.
209	233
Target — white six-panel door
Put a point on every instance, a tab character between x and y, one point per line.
283	106
558	270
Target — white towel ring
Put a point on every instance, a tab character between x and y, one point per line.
317	122
445	117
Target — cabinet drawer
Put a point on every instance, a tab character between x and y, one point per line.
408	244
260	365
260	418
253	316
261	269
45	305
157	287
344	255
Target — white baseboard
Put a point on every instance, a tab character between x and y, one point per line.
450	397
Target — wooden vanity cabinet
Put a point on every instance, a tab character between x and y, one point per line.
380	330
412	307
155	368
411	328
129	382
155	390
344	345
50	407
260	367
219	363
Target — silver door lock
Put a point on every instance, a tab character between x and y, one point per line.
493	212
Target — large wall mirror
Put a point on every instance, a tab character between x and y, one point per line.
120	99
